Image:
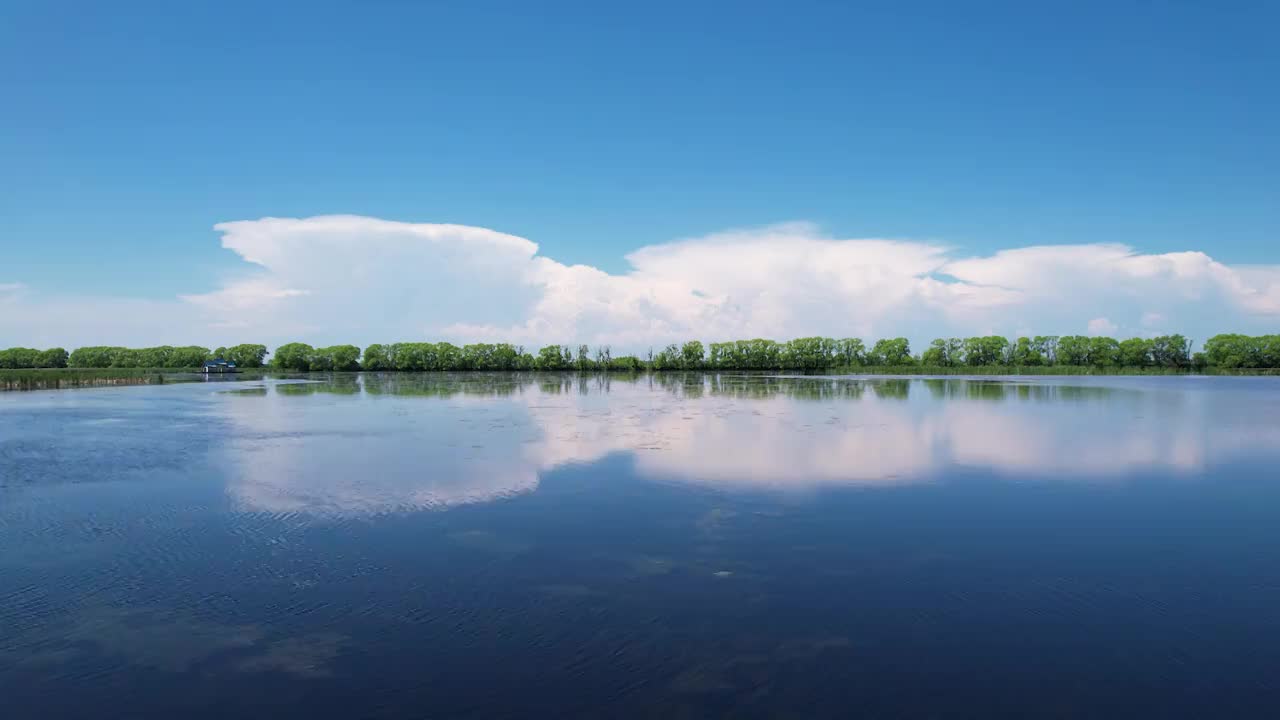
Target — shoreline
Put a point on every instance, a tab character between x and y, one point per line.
72	378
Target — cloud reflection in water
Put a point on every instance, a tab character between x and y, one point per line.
377	444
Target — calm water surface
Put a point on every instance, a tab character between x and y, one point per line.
676	547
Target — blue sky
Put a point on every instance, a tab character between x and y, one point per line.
595	130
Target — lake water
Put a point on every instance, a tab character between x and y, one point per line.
480	546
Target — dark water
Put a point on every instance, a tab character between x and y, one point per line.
494	546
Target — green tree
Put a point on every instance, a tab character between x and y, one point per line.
1073	350
505	356
126	358
19	358
376	358
448	357
1104	352
551	358
246	356
154	357
626	363
1025	353
891	352
716	356
991	350
943	352
668	359
1241	351
1268	351
342	358
1047	347
811	353
1173	351
851	352
52	358
761	354
189	356
94	356
936	354
412	357
691	355
476	356
1135	352
293	356
320	361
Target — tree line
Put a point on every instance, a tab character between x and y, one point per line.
1168	351
160	357
800	354
20	358
1172	352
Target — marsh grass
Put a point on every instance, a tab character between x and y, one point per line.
53	379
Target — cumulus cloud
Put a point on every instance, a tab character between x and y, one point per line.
358	279
9	293
1102	326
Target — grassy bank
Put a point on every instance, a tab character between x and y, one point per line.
53	379
58	378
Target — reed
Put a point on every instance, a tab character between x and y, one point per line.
53	379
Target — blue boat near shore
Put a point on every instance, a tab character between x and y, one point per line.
218	367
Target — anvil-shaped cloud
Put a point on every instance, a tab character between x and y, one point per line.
345	278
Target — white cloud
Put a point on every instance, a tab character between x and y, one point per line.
9	294
357	279
1152	319
1101	326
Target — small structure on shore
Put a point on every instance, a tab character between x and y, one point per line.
218	366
